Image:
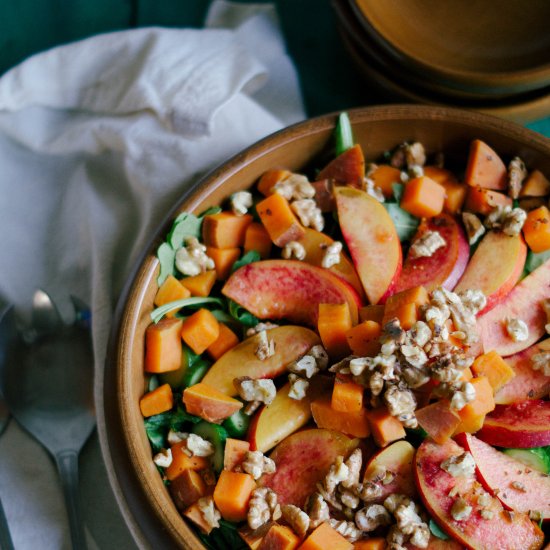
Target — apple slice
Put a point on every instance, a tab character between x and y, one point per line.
445	266
372	241
272	423
346	168
397	458
495	267
315	243
521	425
289	289
437	544
518	488
527	383
523	302
435	485
303	459
291	343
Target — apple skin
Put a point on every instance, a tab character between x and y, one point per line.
372	240
289	289
497	471
495	267
445	266
303	459
434	484
291	343
527	383
523	302
520	425
396	458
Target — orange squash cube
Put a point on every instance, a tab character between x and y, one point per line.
171	290
232	494
347	396
384	427
223	258
187	488
225	229
200	330
270	178
483	201
536	229
384	176
423	197
325	537
201	284
280	537
257	238
181	461
495	368
333	322
372	312
157	401
279	220
363	338
536	185
163	349
226	340
354	424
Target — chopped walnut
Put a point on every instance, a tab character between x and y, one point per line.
337	473
369	491
536	515
346	528
294	249
262	390
163	459
320	355
266	347
466	394
393	501
395	539
473	300
318	510
496	217
262	507
407	517
415	154
332	255
427	244
516	175
260	327
415	378
191	259
296	518
460	465
373	190
541	361
513	222
415	171
484	499
486	514
420	536
353	463
473	226
414	355
199	446
294	187
349	499
371	517
518	486
419	334
256	464
517	329
209	512
298	387
399	401
460	509
240	202
305	366
308	213
174	437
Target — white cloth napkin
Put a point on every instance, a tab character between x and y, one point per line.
97	140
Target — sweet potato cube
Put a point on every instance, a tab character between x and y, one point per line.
279	220
455	195
485	168
257	238
438	174
333	322
354	424
253	537
372	312
157	401
209	403
171	290
438	420
495	368
482	201
536	185
234	452
280	537
396	305
536	229
232	494
201	284
163	349
347	168
194	514
181	461
384	176
384	427
225	229
423	197
270	178
473	414
200	330
363	338
347	396
324	537
223	258
226	340
187	488
374	543
531	203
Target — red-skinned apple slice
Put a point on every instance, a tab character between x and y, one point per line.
527	383
303	459
289	289
372	241
435	485
291	343
522	425
523	302
518	488
397	459
315	244
445	266
495	267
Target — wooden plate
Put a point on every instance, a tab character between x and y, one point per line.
151	515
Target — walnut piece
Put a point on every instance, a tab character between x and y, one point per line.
256	464
298	387
266	347
516	176
371	517
318	510
332	255
294	187
460	509
541	361
296	518
293	249
262	390
427	244
199	446
163	459
240	202
308	213
262	507
191	259
346	528
260	327
460	465
209	512
516	329
473	226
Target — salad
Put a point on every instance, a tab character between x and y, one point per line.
356	356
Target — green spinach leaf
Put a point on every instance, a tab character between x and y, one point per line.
193	303
166	256
405	223
242	315
536	260
343	134
436	531
250	257
185	225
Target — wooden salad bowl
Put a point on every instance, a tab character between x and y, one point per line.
145	501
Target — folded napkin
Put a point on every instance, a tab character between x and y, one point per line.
98	139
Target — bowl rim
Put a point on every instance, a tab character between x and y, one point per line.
129	486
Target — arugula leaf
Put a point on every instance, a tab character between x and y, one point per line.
250	257
343	134
242	315
158	313
180	417
210	211
536	260
167	256
397	190
405	223
436	531
225	536
156	428
185	225
153	383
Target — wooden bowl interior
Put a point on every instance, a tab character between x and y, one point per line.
377	129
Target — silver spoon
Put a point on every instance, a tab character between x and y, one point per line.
47	381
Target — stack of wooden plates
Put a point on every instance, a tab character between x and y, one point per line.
491	57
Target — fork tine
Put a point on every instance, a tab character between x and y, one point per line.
45	315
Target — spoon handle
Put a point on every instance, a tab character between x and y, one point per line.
5	537
67	466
